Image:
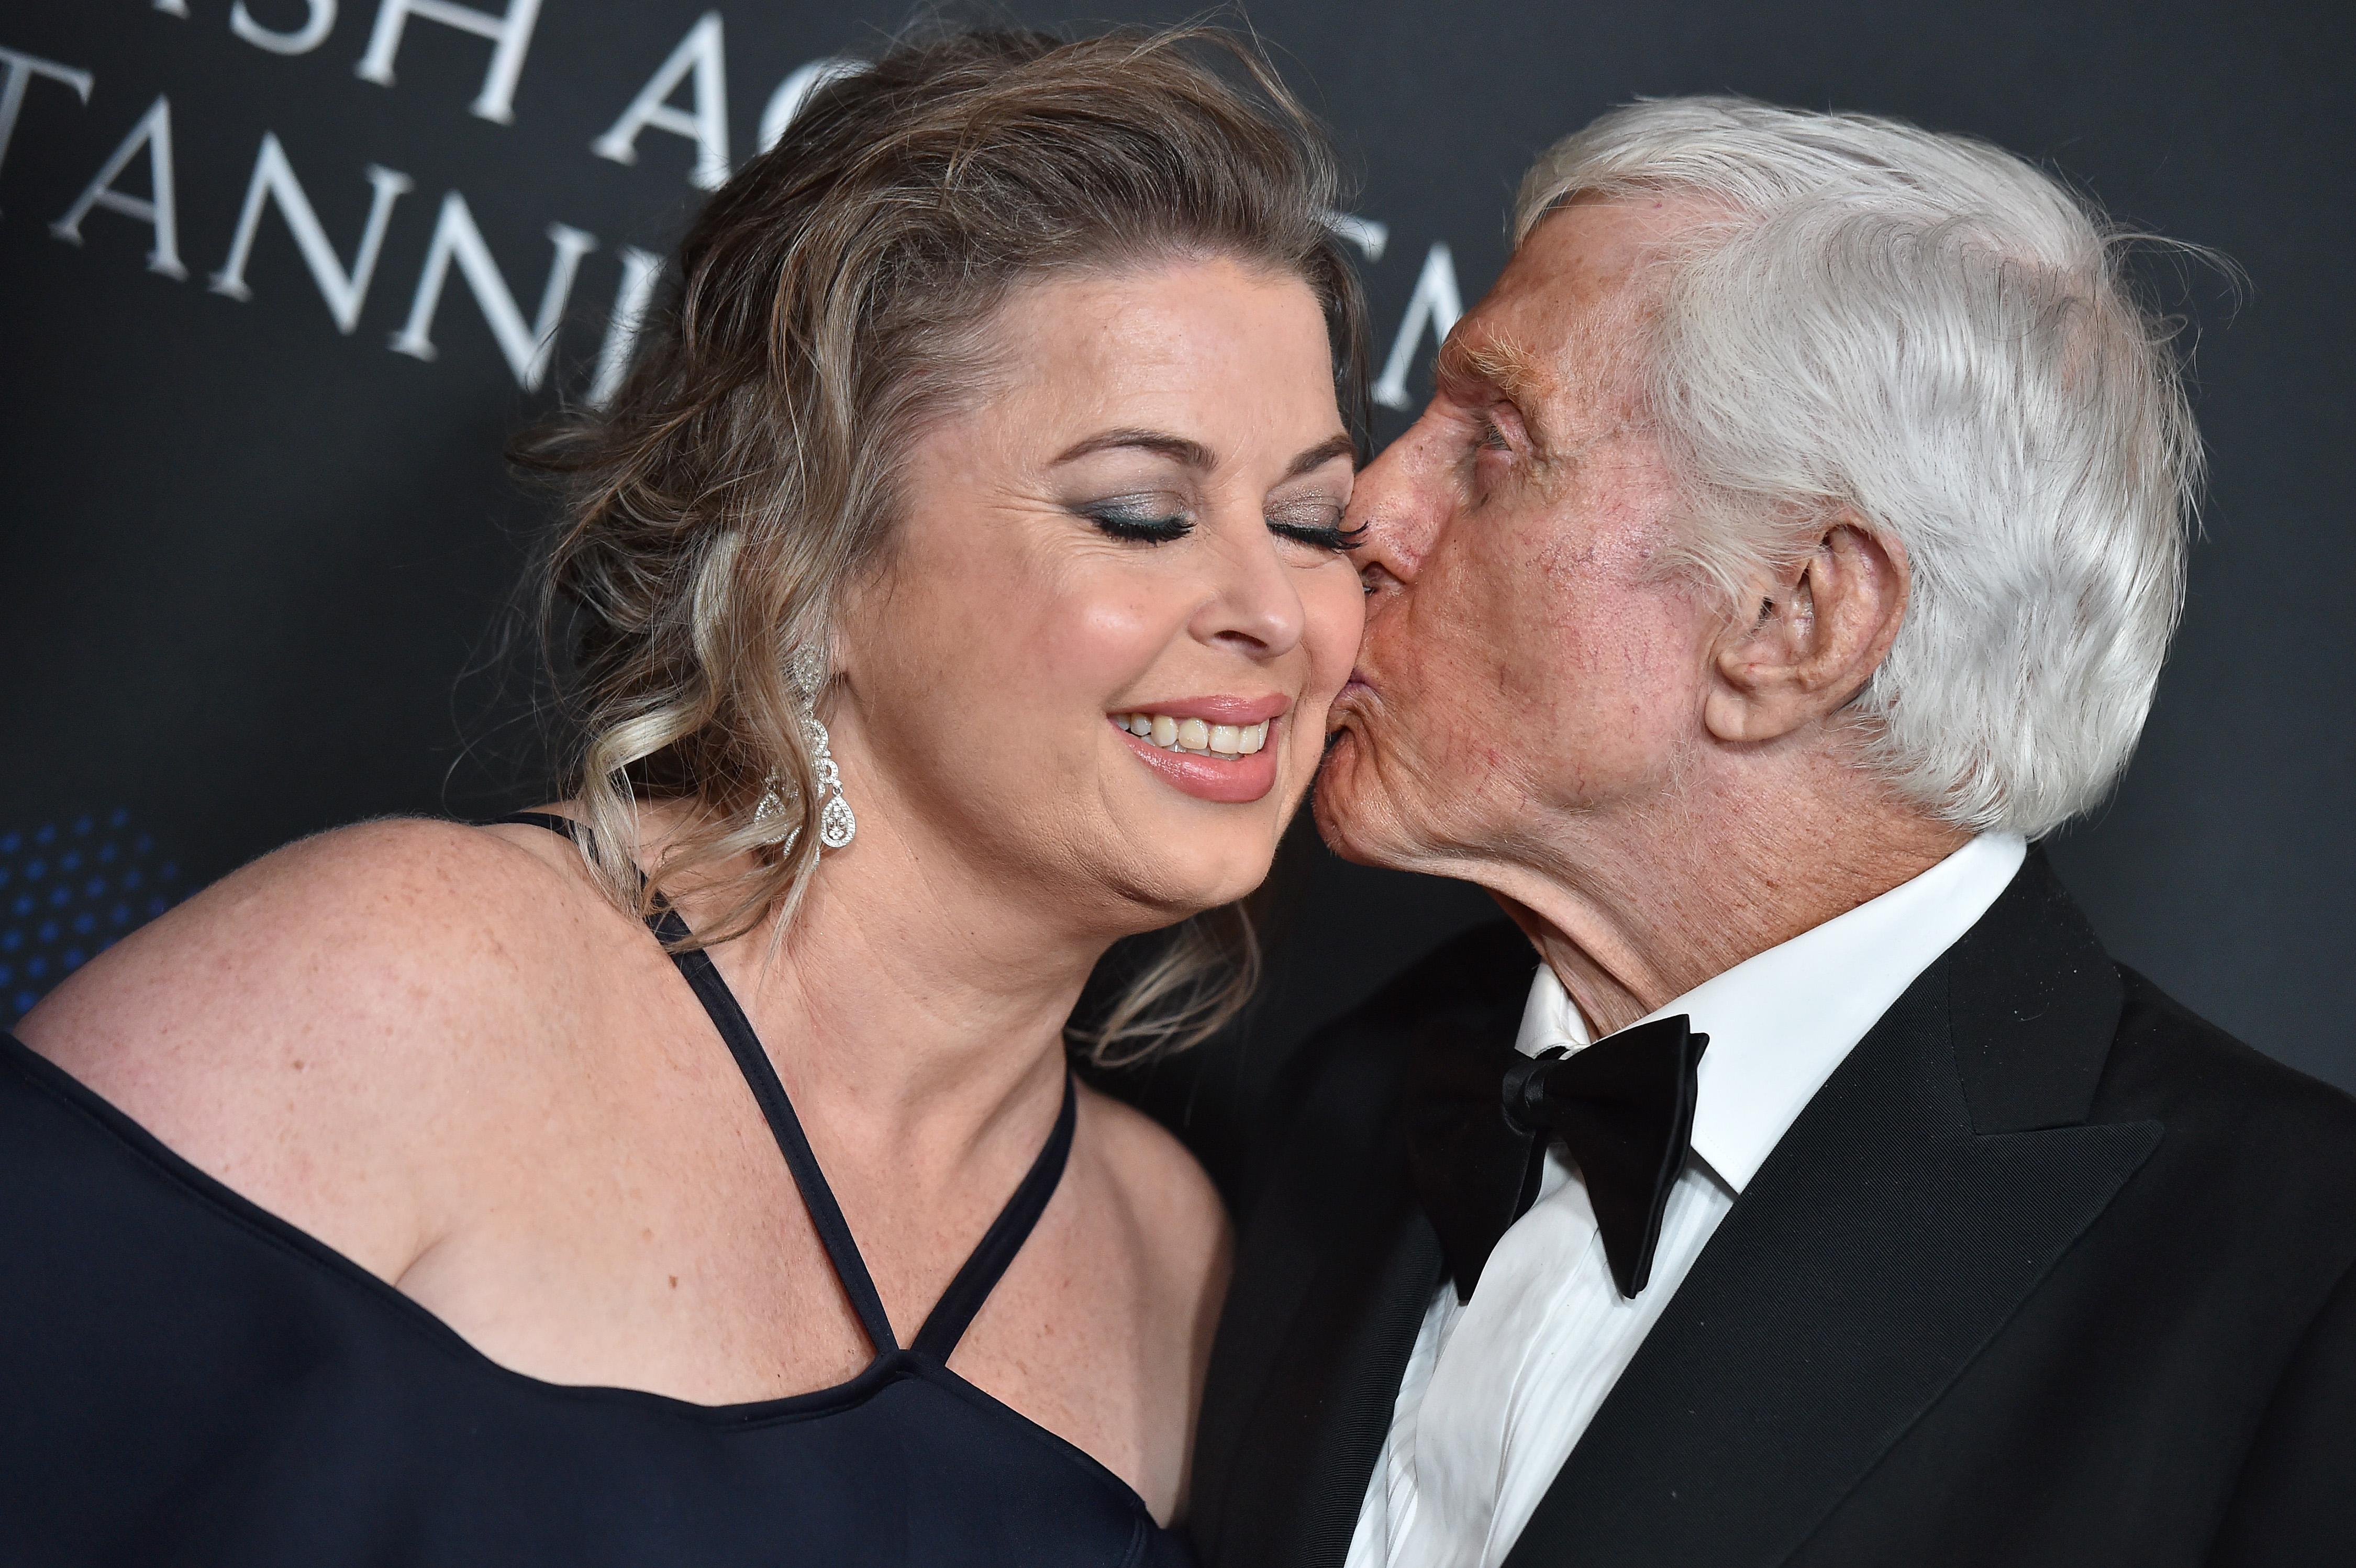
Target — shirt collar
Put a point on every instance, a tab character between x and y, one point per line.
1781	1021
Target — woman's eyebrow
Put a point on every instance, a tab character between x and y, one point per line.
1324	452
1191	453
1179	450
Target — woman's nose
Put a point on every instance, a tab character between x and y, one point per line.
1253	603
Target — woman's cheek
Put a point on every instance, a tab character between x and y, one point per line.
1110	636
1338	617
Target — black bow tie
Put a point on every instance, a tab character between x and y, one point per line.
1480	1114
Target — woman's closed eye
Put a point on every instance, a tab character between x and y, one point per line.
1152	520
1319	524
1148	519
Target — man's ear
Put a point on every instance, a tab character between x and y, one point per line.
1817	631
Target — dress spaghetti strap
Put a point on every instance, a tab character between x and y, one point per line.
954	1312
826	1215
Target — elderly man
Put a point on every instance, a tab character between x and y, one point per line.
1794	535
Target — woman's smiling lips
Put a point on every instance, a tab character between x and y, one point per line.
1234	733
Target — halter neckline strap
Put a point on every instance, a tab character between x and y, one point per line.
955	1312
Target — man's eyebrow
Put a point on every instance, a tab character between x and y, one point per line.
1177	449
1497	361
1324	452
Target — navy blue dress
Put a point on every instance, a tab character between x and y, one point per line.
187	1378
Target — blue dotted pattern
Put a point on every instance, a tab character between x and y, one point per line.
69	891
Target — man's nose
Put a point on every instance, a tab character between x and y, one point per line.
1394	502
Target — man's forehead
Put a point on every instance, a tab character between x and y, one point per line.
1563	316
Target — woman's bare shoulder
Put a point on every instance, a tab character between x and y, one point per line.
1169	1196
311	1028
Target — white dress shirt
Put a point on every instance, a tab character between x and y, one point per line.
1499	1388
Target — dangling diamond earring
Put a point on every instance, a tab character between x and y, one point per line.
836	824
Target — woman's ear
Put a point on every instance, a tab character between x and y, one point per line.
1817	631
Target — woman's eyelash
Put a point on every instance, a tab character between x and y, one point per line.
1325	536
1144	526
1154	528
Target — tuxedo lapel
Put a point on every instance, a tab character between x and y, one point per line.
1336	1272
1914	1205
1310	1349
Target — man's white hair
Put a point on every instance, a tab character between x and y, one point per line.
1934	334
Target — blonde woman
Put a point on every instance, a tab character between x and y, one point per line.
957	588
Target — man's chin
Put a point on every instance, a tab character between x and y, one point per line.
1351	816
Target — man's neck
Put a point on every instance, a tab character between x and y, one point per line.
1630	916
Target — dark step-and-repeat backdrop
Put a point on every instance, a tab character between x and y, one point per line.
278	277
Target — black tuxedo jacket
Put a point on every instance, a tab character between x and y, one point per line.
2050	1271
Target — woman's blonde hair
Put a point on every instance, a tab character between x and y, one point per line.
830	300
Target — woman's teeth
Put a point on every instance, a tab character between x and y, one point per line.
1194	736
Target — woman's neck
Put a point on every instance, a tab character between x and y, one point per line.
913	1006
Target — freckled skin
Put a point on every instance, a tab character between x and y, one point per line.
442	1052
1654	789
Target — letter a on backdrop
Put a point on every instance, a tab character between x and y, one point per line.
702	53
1437	304
159	210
